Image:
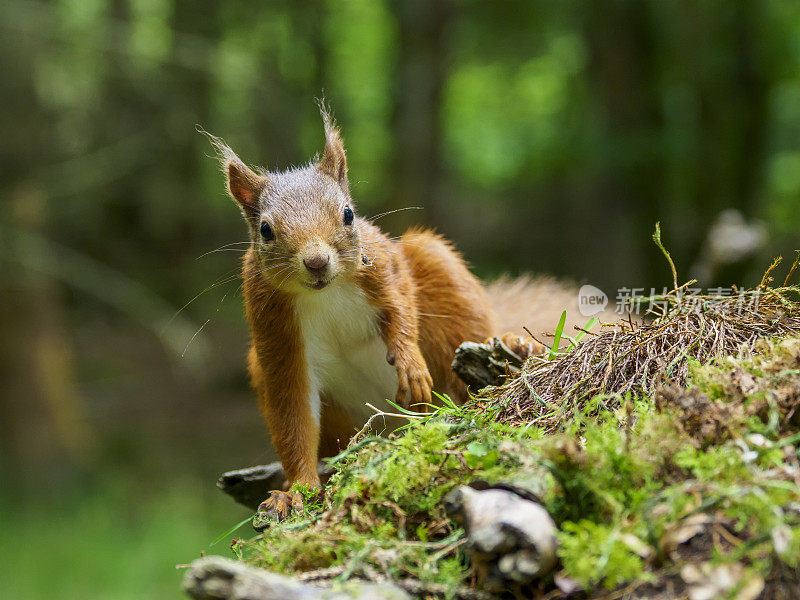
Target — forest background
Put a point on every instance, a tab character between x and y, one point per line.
541	136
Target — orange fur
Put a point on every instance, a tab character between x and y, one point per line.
452	305
276	369
429	302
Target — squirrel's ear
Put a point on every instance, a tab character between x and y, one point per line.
244	184
334	160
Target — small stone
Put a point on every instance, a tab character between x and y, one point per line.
514	535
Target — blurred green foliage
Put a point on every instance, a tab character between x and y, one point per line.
109	541
540	136
595	117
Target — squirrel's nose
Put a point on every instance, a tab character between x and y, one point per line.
317	263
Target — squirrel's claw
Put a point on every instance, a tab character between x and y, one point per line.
276	508
414	384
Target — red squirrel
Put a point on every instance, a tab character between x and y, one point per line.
340	314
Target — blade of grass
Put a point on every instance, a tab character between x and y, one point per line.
446	401
231	530
665	252
405	411
588	327
557	336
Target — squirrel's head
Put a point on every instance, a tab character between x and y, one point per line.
302	221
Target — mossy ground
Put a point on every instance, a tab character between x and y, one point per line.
706	475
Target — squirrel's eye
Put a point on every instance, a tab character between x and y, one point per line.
348	215
266	232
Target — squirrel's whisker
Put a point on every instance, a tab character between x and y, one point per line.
227	279
277	288
390	212
221	248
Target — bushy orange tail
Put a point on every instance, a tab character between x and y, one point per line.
536	303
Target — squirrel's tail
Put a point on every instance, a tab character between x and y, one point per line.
536	303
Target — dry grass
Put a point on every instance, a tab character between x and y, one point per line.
637	357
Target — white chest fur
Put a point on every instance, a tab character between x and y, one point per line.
345	354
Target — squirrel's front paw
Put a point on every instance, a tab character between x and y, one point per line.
414	382
276	508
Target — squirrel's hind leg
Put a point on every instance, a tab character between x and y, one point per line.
277	507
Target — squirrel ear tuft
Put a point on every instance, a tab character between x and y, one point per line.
244	184
334	160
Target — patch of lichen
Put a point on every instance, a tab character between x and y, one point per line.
636	492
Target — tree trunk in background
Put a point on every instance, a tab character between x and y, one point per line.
751	79
417	168
44	426
620	38
732	103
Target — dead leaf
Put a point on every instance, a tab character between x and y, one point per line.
682	531
781	537
637	546
709	582
567	585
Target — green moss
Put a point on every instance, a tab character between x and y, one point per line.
617	483
595	554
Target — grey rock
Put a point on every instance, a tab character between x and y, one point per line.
218	578
482	365
529	485
252	485
513	537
